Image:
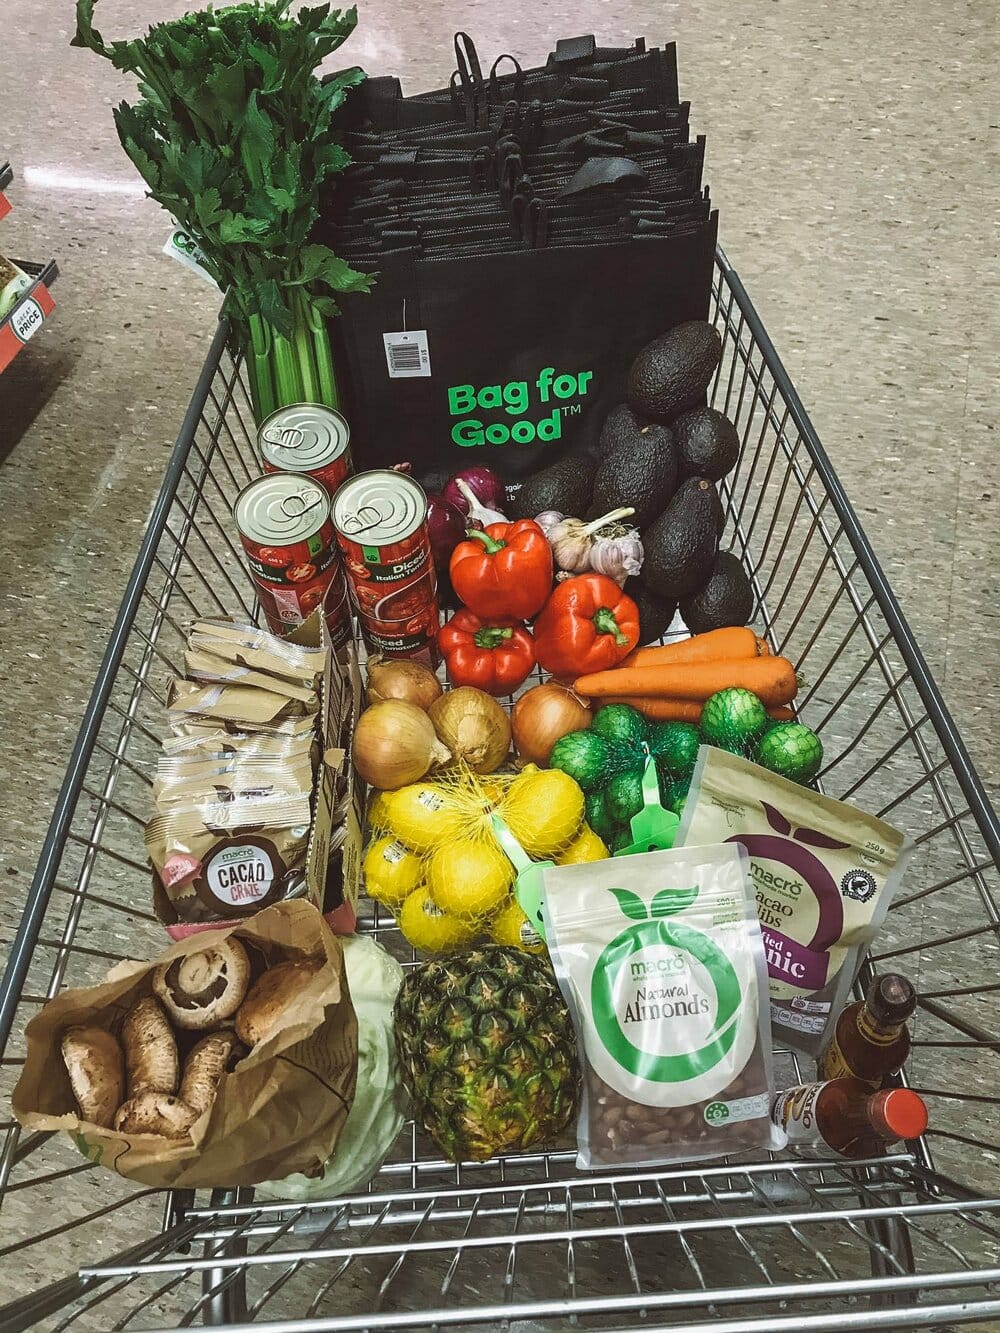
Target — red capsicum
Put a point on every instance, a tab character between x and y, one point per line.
503	572
588	625
493	657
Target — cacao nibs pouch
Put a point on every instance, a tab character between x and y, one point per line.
823	874
660	960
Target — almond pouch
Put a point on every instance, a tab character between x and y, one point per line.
823	874
660	960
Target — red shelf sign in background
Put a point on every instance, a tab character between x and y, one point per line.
24	321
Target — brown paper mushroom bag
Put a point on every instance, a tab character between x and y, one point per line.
280	1110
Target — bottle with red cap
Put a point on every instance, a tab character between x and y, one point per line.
845	1115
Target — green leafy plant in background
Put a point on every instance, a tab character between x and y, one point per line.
233	136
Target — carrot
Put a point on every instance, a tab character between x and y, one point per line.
679	710
772	679
714	646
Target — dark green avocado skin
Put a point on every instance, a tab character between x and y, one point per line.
640	471
655	613
726	599
565	485
708	443
671	374
620	424
681	546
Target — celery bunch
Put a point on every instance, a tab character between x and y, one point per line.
232	134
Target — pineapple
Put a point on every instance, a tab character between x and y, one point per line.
488	1052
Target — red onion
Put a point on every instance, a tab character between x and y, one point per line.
446	525
485	484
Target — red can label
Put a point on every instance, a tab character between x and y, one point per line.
293	580
394	588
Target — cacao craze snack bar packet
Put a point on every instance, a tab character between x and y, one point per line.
659	957
823	873
190	783
225	859
199	665
252	647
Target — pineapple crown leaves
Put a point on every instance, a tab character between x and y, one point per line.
232	135
667	902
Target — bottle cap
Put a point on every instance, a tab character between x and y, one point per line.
897	1113
891	999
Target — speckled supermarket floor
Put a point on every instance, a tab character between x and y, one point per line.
853	152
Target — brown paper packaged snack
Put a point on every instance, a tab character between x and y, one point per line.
182	782
280	1110
249	646
189	726
221	745
205	666
228	859
231	703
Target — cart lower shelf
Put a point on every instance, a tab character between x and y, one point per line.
528	1242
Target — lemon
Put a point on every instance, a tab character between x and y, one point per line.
587	846
421	815
543	810
511	927
376	810
469	878
428	928
391	871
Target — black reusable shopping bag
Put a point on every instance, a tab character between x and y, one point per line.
509	359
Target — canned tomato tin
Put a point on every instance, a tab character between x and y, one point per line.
309	438
285	527
381	524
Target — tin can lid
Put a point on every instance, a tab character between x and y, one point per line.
281	509
376	508
303	437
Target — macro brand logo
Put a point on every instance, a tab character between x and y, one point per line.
671	948
557	393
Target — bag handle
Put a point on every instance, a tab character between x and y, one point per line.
495	93
470	73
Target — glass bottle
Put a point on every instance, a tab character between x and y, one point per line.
870	1040
845	1115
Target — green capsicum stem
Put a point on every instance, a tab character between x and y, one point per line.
605	623
491	636
491	543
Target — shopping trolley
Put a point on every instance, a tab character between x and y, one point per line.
526	1242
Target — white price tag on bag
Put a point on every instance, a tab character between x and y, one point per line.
406	355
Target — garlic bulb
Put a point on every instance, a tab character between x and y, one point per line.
619	555
604	545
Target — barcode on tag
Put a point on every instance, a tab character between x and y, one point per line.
406	354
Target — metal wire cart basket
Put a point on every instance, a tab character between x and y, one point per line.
527	1242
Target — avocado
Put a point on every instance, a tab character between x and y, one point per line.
670	374
655	613
564	485
640	471
708	444
726	599
620	424
680	547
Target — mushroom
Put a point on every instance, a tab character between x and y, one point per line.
203	989
204	1068
155	1113
269	996
96	1071
150	1049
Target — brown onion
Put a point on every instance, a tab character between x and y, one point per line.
543	716
410	681
473	726
395	744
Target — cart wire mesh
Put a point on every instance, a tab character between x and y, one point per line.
526	1242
